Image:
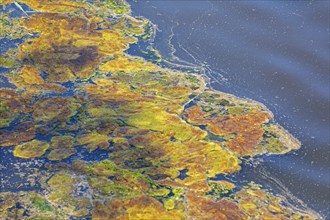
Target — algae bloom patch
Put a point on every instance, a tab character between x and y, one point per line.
119	136
31	149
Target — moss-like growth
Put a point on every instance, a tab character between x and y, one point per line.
31	149
40	203
94	141
7	62
62	188
119	7
60	142
111	188
58	108
220	188
6	115
61	154
162	192
10	27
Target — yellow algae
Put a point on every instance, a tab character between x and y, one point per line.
137	208
10	27
163	192
6	1
118	6
94	141
29	79
153	117
103	125
59	180
201	159
30	75
169	92
130	26
7	62
108	90
31	149
102	112
126	64
59	6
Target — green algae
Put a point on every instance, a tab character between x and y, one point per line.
220	188
10	27
31	149
6	116
7	62
108	187
162	192
118	6
40	203
16	205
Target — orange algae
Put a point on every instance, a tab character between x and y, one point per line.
165	133
201	207
246	128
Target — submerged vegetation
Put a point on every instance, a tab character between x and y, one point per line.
165	135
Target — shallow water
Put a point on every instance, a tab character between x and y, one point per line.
273	52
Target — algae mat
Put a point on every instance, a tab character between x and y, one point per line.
88	131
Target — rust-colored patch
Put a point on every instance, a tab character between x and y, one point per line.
138	208
245	129
204	208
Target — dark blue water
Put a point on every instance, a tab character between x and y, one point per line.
275	52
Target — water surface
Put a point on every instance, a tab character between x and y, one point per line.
273	52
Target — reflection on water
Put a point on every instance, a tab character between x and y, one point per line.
273	52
